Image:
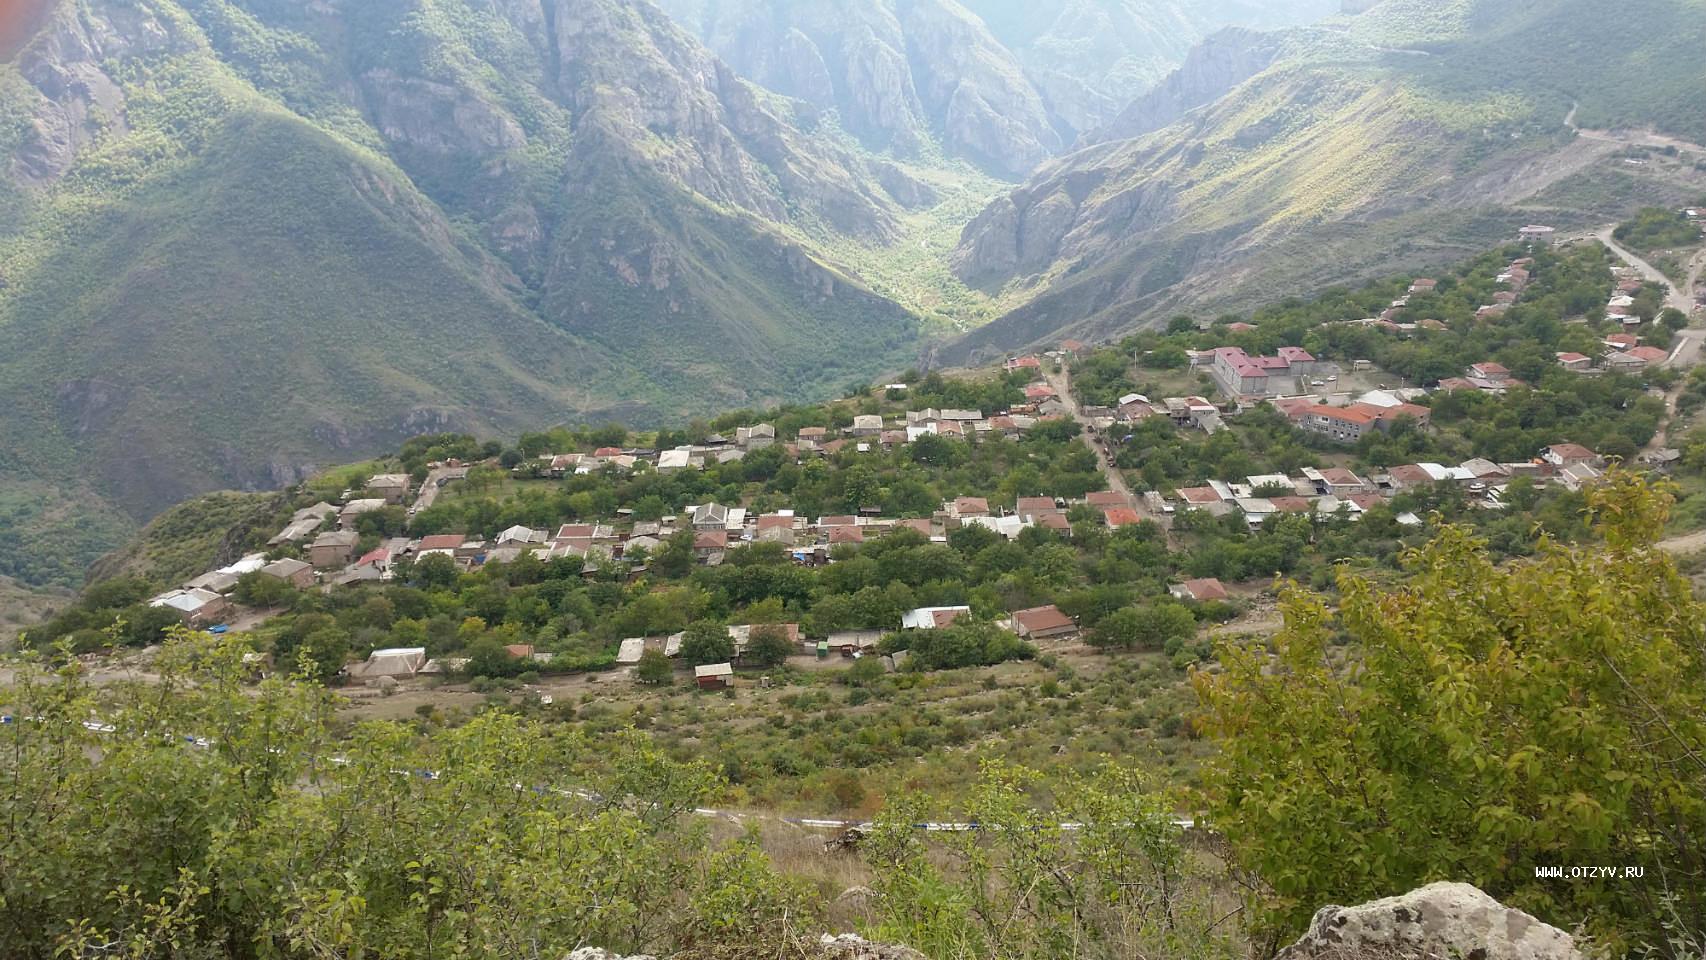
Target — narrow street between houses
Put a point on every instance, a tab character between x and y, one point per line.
1061	381
1685	348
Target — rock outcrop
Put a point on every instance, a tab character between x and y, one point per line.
1209	72
1441	921
897	75
849	946
77	99
846	946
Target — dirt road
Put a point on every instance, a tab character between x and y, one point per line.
1685	346
1686	543
1061	381
1631	138
1680	297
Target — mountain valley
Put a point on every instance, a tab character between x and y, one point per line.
1408	133
241	239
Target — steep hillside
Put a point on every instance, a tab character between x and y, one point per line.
1341	155
241	238
195	536
22	607
999	83
1091	57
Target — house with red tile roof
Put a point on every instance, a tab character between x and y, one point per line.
1241	375
1055	521
1344	424
1409	475
1201	591
845	534
932	618
922	526
1568	454
1117	517
1488	370
1042	623
1199	496
968	507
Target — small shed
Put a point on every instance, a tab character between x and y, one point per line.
714	676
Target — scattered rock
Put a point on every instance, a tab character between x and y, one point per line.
1441	921
857	896
851	946
846	841
846	946
599	953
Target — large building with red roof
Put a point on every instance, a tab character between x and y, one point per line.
1241	375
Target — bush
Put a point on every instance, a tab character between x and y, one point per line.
963	644
655	669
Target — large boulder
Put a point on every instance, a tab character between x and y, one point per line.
1441	921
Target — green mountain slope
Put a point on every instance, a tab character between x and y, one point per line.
1350	152
243	238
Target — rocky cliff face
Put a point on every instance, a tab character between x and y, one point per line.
898	75
76	99
1002	84
1210	71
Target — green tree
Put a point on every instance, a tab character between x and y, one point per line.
321	653
963	644
768	645
1147	627
707	641
1023	888
263	591
1549	712
435	571
252	839
654	668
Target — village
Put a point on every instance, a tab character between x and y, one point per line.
320	548
326	540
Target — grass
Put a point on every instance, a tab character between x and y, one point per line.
194	537
22	606
810	744
913	269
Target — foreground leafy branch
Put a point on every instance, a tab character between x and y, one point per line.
1482	723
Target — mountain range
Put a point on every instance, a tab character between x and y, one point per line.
1273	164
240	239
1000	83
